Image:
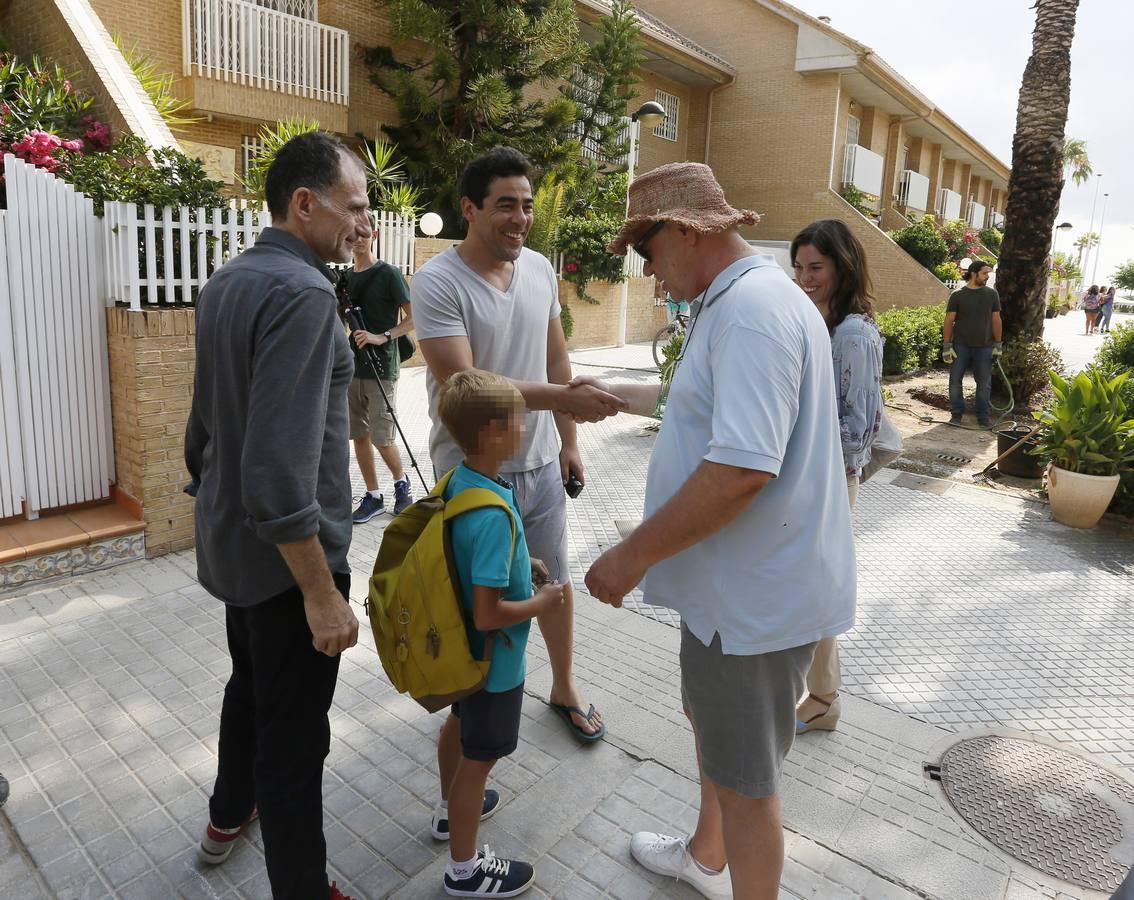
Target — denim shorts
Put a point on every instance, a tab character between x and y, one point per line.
743	710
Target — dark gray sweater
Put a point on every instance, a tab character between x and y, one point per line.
267	437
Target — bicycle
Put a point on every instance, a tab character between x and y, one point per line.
679	326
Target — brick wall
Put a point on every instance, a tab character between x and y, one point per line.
151	385
596	325
37	29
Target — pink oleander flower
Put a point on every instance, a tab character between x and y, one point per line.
75	145
67	86
571	267
98	133
38	148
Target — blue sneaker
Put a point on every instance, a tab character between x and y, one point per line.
403	496
492	877
368	508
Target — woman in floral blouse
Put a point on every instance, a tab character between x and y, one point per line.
830	267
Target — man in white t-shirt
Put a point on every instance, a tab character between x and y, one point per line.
747	531
490	303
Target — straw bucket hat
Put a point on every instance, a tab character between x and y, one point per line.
685	193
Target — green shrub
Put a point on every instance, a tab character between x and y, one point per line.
1117	351
992	238
1027	364
948	271
567	321
583	241
857	199
913	338
922	241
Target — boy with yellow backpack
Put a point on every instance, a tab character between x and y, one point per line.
486	565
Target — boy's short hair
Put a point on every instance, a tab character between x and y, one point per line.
472	399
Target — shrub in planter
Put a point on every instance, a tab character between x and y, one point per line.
913	338
992	238
1086	431
960	239
1027	365
922	241
566	320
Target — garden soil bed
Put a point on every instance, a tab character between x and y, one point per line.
919	407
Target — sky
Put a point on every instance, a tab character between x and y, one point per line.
973	69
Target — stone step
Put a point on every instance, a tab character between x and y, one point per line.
68	543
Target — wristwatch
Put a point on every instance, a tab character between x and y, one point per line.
388	338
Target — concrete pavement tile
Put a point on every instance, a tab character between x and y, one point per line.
577	888
572	851
413	856
382	880
386	837
127	867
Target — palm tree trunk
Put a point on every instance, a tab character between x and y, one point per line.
1037	170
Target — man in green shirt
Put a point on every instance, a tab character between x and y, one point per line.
382	294
973	333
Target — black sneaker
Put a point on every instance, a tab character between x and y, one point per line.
403	496
984	423
440	824
956	418
368	508
494	877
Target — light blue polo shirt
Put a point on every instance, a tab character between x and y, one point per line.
755	389
481	541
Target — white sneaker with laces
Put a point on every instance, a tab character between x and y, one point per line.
670	856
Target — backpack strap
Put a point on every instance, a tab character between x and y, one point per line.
476	498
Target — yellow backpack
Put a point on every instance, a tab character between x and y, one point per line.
414	605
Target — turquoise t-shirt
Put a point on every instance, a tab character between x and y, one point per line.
480	540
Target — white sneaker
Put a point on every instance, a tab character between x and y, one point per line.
670	856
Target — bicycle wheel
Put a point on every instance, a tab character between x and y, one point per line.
660	340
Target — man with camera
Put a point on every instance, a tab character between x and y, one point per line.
381	293
490	303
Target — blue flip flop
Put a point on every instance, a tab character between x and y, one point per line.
565	712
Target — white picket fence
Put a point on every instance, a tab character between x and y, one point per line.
635	265
56	441
164	256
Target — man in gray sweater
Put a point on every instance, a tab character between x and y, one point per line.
266	447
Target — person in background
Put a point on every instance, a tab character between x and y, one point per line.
830	267
1106	309
382	294
972	338
1091	304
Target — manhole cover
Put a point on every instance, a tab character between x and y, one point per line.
1051	809
950	457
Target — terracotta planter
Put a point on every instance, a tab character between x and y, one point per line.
1079	500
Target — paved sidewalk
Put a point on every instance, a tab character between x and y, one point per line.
975	611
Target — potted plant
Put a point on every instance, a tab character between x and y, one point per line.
1088	439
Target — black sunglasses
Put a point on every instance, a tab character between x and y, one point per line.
639	246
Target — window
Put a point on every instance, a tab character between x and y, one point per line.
249	147
853	126
671	105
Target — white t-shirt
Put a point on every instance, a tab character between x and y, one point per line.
755	389
507	331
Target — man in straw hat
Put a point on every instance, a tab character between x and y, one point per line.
747	531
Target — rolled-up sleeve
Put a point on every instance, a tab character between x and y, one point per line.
858	368
292	361
756	384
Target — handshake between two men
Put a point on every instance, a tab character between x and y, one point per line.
587	399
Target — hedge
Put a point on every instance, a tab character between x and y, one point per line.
913	338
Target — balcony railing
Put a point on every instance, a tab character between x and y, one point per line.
996	220
913	191
242	42
863	169
975	214
948	205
